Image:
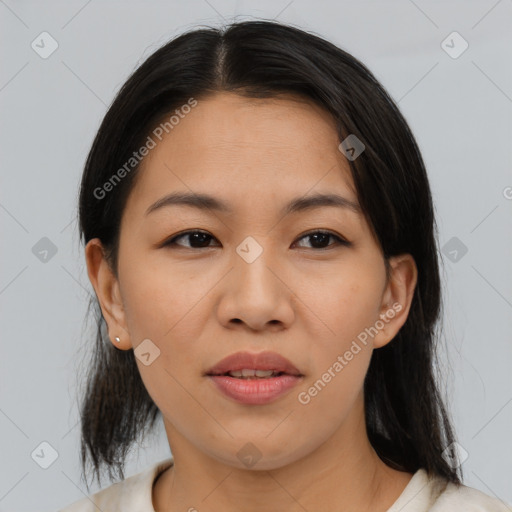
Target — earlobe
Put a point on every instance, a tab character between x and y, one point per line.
397	298
106	286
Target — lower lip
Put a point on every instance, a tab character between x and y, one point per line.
255	391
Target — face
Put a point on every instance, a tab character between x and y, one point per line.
202	283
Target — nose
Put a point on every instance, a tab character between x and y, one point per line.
256	294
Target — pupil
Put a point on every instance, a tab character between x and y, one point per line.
199	237
322	236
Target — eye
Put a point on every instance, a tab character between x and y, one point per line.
201	239
320	238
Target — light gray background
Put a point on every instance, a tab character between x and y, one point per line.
460	110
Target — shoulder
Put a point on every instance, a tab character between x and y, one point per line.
426	493
471	500
131	494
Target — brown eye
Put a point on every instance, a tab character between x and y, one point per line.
201	240
320	239
196	239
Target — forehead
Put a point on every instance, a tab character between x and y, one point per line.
248	151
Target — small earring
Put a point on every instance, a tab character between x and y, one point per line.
118	339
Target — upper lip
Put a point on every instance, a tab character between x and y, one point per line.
258	361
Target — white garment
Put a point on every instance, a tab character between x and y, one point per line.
134	494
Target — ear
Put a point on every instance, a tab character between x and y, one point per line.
106	286
396	299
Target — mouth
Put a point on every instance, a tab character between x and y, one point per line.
250	374
246	365
254	379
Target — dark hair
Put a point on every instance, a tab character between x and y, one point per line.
407	423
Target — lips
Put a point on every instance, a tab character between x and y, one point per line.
254	379
262	361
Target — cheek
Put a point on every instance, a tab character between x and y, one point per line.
347	302
168	308
348	306
159	301
339	364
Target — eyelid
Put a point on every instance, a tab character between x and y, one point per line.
341	240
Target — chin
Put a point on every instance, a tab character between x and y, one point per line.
260	454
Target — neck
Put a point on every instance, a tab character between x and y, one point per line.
343	474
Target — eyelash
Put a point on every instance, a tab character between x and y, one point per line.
339	240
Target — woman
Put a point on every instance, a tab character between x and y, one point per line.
261	240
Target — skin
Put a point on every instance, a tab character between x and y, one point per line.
198	305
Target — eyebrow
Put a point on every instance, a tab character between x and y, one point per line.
207	202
